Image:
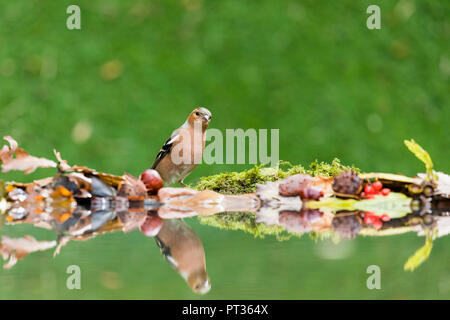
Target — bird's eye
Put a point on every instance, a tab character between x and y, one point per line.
197	113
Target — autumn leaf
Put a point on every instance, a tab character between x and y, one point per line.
395	205
131	220
421	254
18	248
22	161
62	164
422	155
132	187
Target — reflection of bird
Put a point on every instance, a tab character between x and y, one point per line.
184	149
184	251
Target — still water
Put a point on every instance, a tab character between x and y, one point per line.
112	239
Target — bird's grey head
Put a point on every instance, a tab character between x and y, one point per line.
199	282
200	114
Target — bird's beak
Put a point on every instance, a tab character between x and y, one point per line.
207	118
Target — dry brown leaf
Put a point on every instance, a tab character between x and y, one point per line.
132	187
131	220
110	179
23	161
62	164
18	248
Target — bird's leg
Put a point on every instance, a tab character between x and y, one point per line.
183	184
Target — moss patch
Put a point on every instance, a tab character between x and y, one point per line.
245	182
244	221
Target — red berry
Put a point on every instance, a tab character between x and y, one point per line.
363	194
385	191
368	219
370	196
377	185
368	189
377	224
152	180
385	217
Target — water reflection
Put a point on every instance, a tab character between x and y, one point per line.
184	251
82	203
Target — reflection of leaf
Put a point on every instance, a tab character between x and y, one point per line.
23	161
131	220
18	248
395	205
332	204
422	155
420	255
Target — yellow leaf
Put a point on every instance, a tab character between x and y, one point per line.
422	155
420	255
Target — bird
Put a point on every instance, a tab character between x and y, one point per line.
184	251
183	150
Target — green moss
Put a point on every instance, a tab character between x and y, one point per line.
245	182
2	189
240	182
244	221
328	169
328	234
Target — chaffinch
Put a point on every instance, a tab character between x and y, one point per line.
184	251
184	149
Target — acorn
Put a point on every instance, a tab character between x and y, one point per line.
152	180
347	226
347	182
152	224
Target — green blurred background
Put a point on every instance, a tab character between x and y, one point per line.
107	96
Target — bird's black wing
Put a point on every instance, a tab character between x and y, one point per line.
165	250
165	150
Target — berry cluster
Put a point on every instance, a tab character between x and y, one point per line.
370	191
374	189
371	218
